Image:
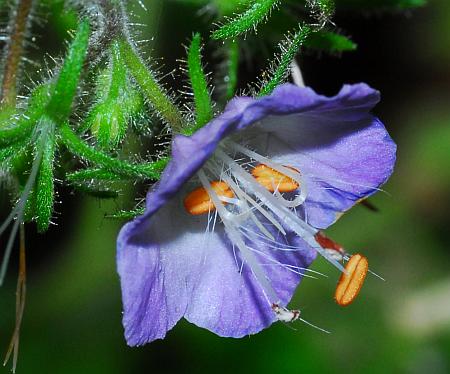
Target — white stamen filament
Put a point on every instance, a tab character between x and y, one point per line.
302	229
251	196
240	204
294	269
235	237
299	199
244	197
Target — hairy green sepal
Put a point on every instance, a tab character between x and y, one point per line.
197	77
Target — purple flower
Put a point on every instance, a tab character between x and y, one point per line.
234	269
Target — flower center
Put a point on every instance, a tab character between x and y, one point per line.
248	193
199	202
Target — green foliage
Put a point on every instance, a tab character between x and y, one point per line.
45	188
280	65
60	104
11	151
93	174
197	77
48	103
255	14
329	41
150	170
99	193
150	86
127	214
117	105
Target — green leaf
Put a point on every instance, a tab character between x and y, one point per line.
17	127
229	7
99	193
255	14
93	174
127	214
64	91
45	188
12	151
329	41
29	212
202	99
150	87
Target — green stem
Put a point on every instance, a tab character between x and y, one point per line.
91	174
151	170
147	81
281	70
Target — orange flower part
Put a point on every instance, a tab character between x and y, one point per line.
327	243
272	179
198	201
350	284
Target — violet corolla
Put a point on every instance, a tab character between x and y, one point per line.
267	173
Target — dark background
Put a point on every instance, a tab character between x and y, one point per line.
72	323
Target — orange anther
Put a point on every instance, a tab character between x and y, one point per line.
350	284
272	179
198	201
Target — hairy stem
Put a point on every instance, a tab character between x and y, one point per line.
281	64
14	51
151	170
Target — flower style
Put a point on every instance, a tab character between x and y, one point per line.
229	230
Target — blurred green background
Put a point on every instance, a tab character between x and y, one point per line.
72	321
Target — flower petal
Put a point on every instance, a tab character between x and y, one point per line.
189	153
158	267
344	157
228	299
171	266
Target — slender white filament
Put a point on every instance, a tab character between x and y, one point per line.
236	238
302	229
